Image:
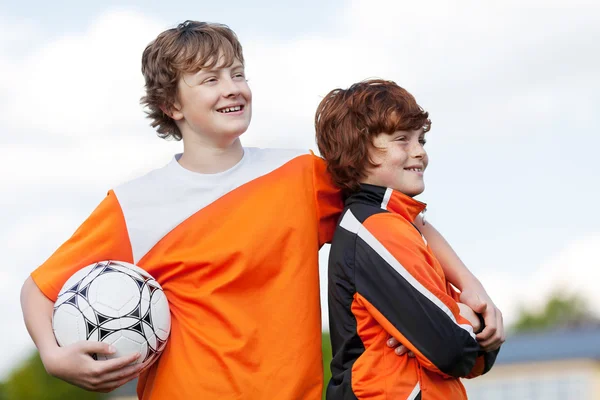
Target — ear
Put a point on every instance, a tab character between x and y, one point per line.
174	111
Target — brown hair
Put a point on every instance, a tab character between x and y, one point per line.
189	47
347	120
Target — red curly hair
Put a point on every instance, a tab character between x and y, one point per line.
347	120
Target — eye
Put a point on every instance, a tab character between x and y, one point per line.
239	76
422	141
212	79
400	139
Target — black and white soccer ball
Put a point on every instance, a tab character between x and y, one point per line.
116	303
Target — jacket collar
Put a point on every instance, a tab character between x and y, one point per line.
387	199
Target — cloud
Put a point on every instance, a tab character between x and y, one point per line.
72	87
574	269
29	243
103	161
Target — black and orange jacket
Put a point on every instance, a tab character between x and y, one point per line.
384	280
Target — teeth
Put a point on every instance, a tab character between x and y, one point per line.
230	109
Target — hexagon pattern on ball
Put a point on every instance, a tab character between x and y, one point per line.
117	303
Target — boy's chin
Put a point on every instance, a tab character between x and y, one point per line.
238	131
413	192
234	133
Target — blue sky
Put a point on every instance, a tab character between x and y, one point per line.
512	89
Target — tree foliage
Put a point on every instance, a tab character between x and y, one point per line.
30	381
326	347
560	311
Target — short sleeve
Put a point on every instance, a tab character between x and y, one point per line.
328	199
103	236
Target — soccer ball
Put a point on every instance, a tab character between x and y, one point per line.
117	303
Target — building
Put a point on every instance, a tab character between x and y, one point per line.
561	364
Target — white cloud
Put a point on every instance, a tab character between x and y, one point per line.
573	269
102	161
73	87
28	244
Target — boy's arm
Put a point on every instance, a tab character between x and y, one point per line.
74	363
397	284
103	236
473	293
486	359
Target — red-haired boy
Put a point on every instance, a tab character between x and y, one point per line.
383	277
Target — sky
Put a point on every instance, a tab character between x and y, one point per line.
512	88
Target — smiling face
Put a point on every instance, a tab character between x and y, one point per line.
401	161
214	104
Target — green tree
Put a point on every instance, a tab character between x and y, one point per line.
30	381
560	310
326	346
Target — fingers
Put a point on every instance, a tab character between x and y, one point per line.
112	385
109	375
491	345
96	347
122	373
492	337
491	324
147	363
479	306
118	363
474	301
107	349
487	333
399	349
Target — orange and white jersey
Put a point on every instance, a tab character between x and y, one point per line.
237	256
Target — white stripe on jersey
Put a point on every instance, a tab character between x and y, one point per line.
413	395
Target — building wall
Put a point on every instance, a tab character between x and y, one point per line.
568	379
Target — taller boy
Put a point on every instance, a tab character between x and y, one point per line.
231	233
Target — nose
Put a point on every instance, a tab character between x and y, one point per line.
230	88
417	150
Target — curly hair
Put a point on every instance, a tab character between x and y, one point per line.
347	120
189	47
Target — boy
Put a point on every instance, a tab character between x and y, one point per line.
231	233
383	278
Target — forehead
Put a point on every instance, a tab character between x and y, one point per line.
224	59
220	64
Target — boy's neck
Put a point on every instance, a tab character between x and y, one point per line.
209	158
